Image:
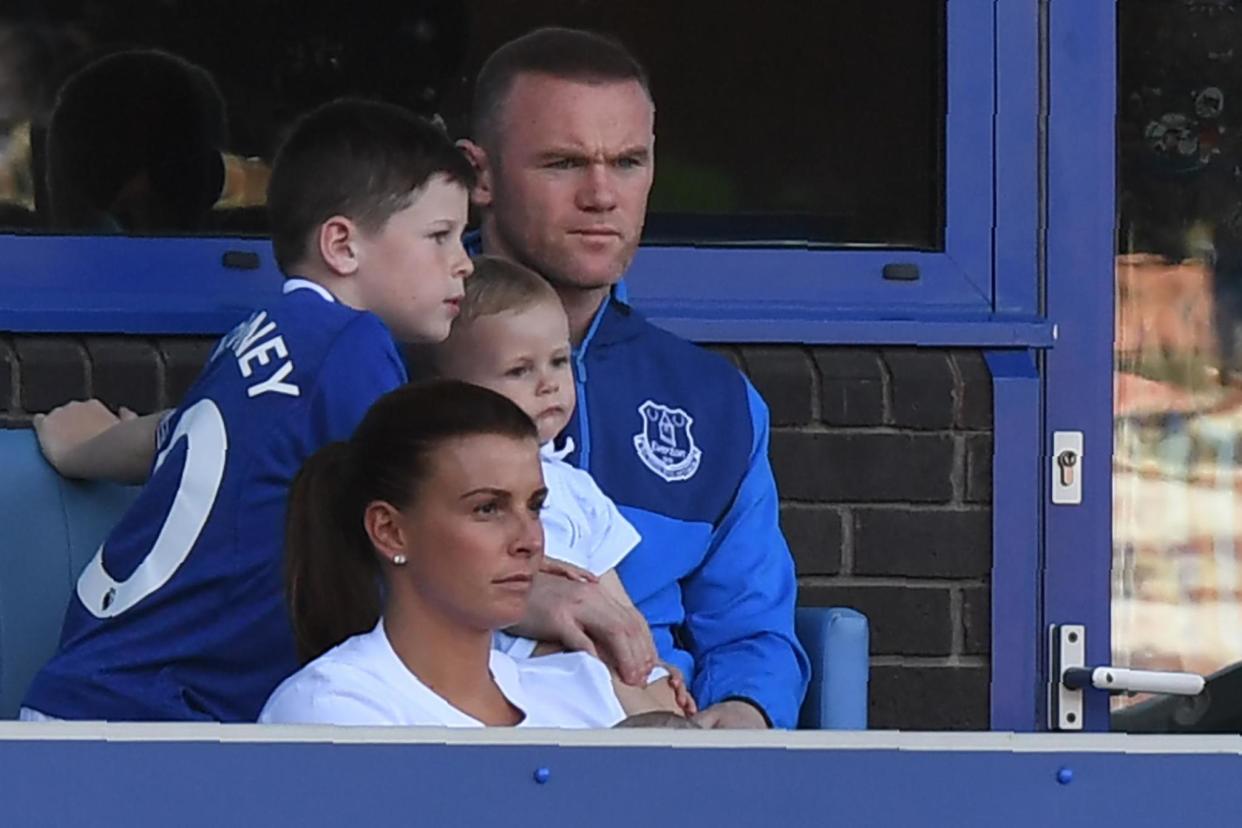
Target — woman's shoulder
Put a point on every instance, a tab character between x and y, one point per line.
346	685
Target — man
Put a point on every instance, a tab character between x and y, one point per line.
563	126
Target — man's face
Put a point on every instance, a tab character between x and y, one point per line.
567	176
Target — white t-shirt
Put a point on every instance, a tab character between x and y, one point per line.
363	682
581	525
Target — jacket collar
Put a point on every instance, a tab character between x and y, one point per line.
614	322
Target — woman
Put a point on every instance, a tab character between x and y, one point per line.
429	517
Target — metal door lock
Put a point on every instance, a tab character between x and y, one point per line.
1067	468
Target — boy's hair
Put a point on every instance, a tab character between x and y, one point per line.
363	160
567	54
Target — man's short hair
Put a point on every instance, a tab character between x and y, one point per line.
567	54
363	160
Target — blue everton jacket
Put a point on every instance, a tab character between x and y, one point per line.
679	439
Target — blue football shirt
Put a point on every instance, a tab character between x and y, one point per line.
181	613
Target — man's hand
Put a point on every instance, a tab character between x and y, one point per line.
70	426
732	714
552	566
582	616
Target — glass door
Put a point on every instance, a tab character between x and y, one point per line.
1177	383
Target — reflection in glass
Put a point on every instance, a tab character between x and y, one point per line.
803	122
1177	479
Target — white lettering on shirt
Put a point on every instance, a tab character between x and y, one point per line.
249	343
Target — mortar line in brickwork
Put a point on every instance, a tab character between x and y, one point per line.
957	477
930	661
17	408
88	365
957	626
853	431
847	541
11	403
942	506
915	582
959	386
161	374
817	385
886	389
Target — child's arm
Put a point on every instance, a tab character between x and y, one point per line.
668	694
86	440
665	694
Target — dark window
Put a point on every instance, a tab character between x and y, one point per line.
778	122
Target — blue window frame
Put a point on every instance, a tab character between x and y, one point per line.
980	289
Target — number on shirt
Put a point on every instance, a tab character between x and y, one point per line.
203	429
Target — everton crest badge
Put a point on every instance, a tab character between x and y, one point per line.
665	444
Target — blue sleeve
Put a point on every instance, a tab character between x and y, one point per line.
740	601
361	365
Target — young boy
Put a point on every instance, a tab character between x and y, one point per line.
180	615
512	336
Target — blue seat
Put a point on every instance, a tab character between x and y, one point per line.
838	642
50	528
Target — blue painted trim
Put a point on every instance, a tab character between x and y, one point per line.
1079	372
969	194
77	284
706	324
1017	102
226	778
1017	694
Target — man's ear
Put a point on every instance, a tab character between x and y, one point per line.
382	522
338	240
481	195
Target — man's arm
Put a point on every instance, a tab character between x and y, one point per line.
583	616
86	440
740	605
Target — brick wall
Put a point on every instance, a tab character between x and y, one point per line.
883	458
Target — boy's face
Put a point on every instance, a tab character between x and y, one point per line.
410	272
523	354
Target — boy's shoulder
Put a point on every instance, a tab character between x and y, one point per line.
315	315
308	332
293	351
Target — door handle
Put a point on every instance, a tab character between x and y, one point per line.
1069	677
1125	680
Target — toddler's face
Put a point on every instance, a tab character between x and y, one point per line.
525	355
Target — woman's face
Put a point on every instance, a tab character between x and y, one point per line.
473	533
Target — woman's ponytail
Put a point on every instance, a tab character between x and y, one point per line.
332	580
